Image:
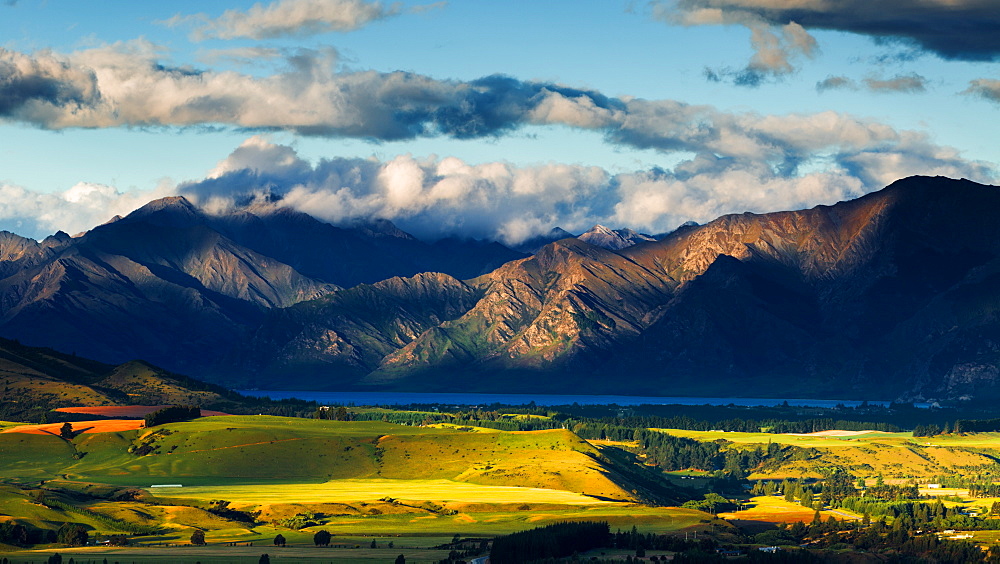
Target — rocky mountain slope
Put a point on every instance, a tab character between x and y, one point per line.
177	286
895	294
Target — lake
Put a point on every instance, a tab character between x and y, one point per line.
463	399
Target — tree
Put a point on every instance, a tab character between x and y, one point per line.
322	538
374	544
198	538
66	431
73	534
264	559
279	540
400	559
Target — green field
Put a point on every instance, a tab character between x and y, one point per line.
416	486
223	451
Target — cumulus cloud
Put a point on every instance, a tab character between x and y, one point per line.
285	18
952	29
439	197
435	197
77	209
126	85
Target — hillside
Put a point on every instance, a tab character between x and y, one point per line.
175	285
35	380
233	450
893	294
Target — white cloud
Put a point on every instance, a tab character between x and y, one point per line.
287	18
77	209
435	198
125	85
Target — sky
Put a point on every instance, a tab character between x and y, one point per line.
486	119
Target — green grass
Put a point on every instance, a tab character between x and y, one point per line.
443	480
231	555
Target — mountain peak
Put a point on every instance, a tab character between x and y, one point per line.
532	245
172	211
613	239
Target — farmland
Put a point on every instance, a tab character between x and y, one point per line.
353	479
243	480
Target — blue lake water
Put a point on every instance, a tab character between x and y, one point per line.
408	398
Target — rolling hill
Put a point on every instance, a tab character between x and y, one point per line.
35	380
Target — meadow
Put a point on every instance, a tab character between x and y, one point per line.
415	486
243	480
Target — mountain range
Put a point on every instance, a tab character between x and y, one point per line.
893	295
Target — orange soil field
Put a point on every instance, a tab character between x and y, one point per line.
126	410
102	426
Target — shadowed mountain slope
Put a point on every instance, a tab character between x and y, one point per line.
177	286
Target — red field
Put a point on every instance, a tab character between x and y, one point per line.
102	426
137	411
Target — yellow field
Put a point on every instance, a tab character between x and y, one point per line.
895	456
343	491
796	440
772	509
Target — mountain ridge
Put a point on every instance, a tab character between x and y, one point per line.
888	295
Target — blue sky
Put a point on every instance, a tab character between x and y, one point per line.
483	118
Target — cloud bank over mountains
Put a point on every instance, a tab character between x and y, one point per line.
725	161
440	197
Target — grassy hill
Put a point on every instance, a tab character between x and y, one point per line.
223	451
35	380
891	455
346	477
